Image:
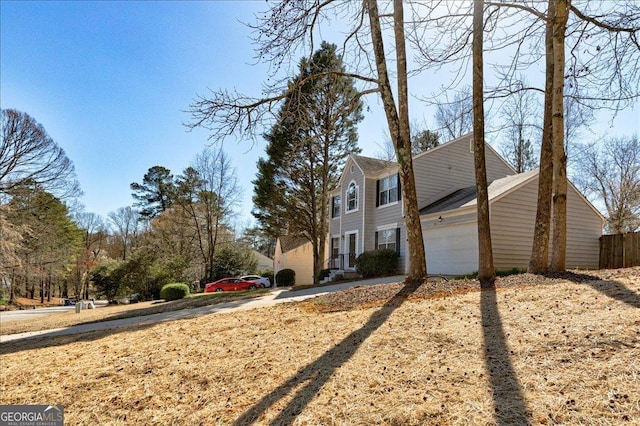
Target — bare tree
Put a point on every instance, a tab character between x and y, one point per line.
486	270
208	193
455	118
601	69
10	246
94	234
539	260
520	114
559	229
610	172
577	121
126	223
422	139
28	154
280	32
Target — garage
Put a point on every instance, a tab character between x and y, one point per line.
451	249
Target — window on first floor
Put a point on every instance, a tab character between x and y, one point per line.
335	247
388	239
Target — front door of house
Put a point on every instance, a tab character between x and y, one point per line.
351	250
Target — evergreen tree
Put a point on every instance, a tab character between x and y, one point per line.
308	146
155	192
424	140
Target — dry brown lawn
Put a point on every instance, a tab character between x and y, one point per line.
562	351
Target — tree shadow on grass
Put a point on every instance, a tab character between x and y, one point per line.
54	338
315	375
509	403
611	288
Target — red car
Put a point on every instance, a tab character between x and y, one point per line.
229	284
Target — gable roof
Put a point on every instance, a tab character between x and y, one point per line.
291	242
370	165
467	197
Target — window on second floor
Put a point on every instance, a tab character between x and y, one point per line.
335	206
352	197
388	190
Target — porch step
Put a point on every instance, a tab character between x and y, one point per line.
350	275
335	275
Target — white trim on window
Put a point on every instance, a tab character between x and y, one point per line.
387	226
347	203
395	203
386	192
388	238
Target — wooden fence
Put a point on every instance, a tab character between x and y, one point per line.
620	250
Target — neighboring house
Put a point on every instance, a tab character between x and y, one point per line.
265	263
366	212
295	252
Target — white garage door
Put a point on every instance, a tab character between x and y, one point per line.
452	250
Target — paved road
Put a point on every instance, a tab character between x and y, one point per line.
274	297
26	314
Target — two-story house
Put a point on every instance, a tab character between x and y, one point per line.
366	212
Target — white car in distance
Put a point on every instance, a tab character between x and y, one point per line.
262	281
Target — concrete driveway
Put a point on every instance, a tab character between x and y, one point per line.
274	297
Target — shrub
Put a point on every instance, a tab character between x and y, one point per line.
286	278
174	291
376	263
325	273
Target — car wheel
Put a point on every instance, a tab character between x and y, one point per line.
218	290
252	287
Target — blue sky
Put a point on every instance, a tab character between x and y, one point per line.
110	82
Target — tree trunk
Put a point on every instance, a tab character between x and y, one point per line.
12	286
49	287
400	133
559	247
539	261
404	153
486	270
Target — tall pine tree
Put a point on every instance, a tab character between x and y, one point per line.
308	146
